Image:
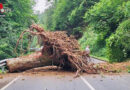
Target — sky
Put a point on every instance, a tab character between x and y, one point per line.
41	6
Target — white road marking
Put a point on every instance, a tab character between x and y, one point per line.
10	83
87	83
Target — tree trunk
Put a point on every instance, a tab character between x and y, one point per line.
58	47
28	62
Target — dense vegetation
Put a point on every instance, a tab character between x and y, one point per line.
103	24
14	22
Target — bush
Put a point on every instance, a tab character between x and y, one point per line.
118	45
105	17
5	51
14	22
90	38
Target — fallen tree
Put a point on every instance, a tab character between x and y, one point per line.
28	62
58	49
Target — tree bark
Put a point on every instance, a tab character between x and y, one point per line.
28	62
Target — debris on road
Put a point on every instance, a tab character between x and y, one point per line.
115	67
45	68
1	77
59	49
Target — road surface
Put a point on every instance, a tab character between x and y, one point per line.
96	61
65	81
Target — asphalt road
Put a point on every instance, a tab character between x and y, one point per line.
67	82
5	81
94	60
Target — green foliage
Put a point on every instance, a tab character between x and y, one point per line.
61	12
66	15
76	16
128	68
101	21
46	18
0	71
90	38
104	19
14	22
118	44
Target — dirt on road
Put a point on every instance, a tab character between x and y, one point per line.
122	67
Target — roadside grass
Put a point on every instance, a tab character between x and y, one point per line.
4	72
0	71
128	69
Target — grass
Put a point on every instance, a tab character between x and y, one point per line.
0	71
5	71
128	68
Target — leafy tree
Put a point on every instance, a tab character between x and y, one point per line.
46	18
67	15
14	22
104	19
118	44
77	14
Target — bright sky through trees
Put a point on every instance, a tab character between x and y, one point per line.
41	5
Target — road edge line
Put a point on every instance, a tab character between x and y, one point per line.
10	83
87	83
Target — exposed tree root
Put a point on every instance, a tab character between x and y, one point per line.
63	49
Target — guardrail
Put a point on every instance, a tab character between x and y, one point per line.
3	65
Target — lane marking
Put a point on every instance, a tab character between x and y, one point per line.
87	83
10	83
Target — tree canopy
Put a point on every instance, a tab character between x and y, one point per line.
15	21
104	25
99	22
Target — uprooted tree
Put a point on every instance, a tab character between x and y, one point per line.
58	48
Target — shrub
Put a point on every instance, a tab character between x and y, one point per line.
90	38
118	44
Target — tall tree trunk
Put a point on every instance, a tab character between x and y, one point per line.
28	62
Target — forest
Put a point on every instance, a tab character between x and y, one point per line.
15	21
104	25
